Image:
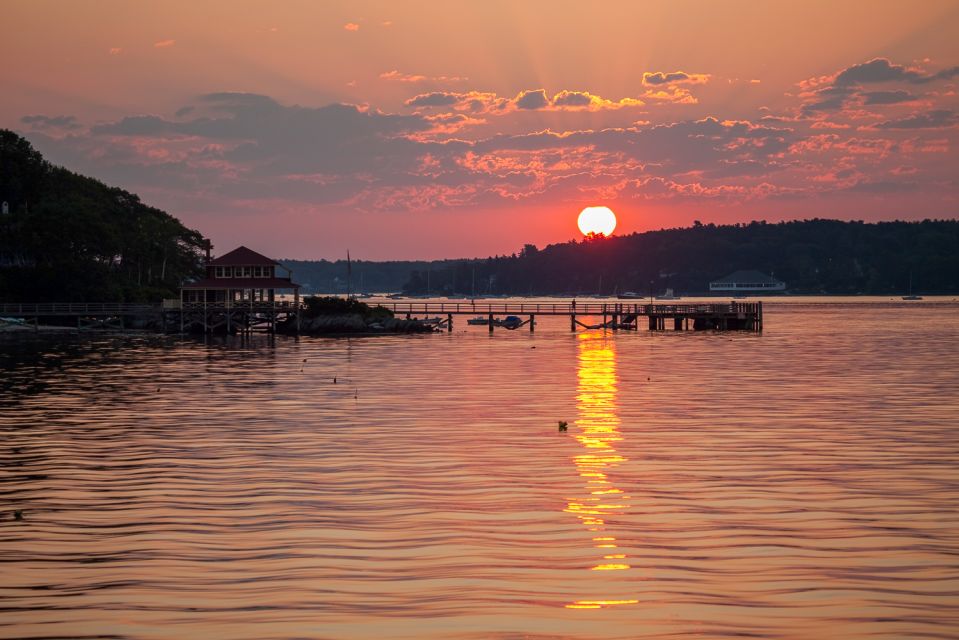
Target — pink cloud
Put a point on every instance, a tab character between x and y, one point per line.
351	26
162	44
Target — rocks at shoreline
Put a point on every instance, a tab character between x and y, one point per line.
353	323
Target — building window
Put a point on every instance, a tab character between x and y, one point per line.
257	272
219	272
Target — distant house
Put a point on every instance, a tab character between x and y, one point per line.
240	277
747	282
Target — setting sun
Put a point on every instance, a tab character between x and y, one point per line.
598	220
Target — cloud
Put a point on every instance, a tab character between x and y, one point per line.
401	77
658	78
51	122
532	99
115	51
162	44
434	99
886	97
670	94
935	119
845	87
528	100
351	26
882	70
577	100
416	78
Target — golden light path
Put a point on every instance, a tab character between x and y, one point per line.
597	429
598	220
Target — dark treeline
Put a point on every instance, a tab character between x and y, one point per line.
811	256
67	237
325	276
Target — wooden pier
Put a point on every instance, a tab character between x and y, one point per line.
250	316
725	316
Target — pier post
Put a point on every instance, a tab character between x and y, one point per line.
678	323
491	323
449	322
532	322
652	323
572	322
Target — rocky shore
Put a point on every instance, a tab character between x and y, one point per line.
329	324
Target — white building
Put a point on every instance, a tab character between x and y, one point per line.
746	282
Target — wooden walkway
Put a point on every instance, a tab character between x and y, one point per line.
742	316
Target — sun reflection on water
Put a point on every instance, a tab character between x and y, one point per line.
598	432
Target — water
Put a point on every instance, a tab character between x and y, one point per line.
801	483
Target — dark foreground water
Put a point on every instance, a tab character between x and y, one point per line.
802	483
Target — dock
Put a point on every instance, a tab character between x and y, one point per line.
725	316
253	316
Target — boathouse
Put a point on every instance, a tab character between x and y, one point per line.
746	282
241	290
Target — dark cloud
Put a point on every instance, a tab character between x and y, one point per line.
533	99
434	99
572	99
886	97
935	119
658	78
845	88
882	70
51	122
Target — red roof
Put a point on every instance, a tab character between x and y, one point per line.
242	257
242	283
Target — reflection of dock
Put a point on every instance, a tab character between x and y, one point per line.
741	316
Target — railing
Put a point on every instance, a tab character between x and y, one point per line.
566	309
29	309
237	304
76	308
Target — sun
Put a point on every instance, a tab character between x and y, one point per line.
598	220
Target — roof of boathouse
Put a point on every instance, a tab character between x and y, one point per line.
242	257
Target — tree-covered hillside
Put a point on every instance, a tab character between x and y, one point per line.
811	256
67	237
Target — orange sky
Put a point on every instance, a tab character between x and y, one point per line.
459	129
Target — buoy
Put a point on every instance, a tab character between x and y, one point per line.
563	425
18	515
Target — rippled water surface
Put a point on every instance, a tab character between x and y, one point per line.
802	483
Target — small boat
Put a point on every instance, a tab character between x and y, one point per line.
669	295
911	296
478	320
510	322
629	295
